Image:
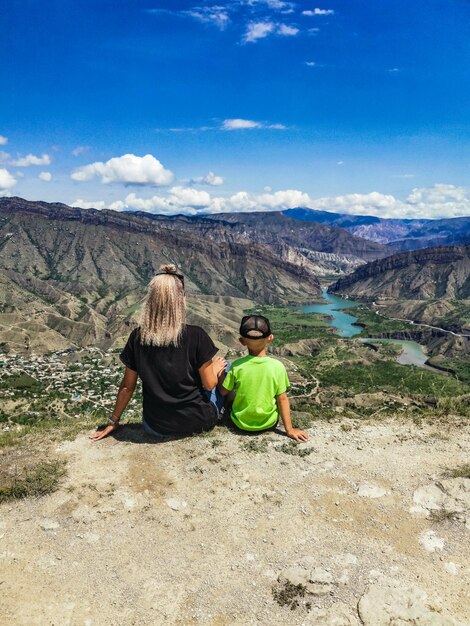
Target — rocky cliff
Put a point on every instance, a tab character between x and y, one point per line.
418	275
72	275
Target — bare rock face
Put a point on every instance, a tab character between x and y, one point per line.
419	275
336	615
450	497
316	580
388	603
80	275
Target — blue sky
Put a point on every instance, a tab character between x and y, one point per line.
351	105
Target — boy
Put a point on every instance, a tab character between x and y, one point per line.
260	383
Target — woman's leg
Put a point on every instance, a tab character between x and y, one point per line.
154	433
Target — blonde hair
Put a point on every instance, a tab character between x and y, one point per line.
163	315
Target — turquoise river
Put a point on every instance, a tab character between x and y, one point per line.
344	324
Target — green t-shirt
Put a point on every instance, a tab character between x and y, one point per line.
257	381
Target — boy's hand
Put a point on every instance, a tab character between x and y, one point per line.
297	435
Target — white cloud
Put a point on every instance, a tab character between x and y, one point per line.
216	15
80	150
45	176
189	197
3	140
310	63
434	202
258	30
394	70
241	124
210	179
440	201
373	203
274	5
7	180
229	124
287	31
318	12
31	159
89	204
128	169
430	202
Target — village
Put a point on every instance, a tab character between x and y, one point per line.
58	385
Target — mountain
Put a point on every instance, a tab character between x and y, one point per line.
444	232
70	276
399	234
273	227
432	273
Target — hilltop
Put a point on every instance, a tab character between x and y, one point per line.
362	525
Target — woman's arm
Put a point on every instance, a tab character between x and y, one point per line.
284	409
210	372
126	389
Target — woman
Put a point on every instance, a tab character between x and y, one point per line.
175	362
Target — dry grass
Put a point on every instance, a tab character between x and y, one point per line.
39	480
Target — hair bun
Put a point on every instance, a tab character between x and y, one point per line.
169	269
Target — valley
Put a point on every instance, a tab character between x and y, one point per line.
383	479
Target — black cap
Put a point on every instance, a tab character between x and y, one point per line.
255	327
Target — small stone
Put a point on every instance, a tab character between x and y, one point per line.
431	541
368	490
451	568
388	602
176	505
49	524
346	559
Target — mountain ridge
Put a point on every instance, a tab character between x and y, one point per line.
421	274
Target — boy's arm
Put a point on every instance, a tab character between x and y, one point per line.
284	410
225	383
221	389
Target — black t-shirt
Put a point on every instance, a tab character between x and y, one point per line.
174	401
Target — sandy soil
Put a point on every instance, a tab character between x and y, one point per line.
198	531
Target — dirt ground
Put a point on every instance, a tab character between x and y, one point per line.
200	531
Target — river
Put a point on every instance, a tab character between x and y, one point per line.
334	307
344	324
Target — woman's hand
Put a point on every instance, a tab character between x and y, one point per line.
101	434
219	365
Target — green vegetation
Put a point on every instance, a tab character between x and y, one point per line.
39	480
256	444
391	377
289	325
458	318
376	324
59	395
461	369
288	594
294	450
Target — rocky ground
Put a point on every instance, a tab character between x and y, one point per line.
358	526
